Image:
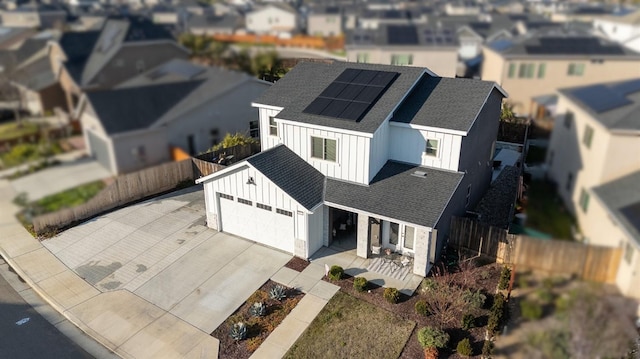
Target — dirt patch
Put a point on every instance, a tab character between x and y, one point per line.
297	264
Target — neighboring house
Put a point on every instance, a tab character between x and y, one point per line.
593	158
532	66
122	49
406	45
462	7
13	37
177	104
375	18
623	29
225	24
373	155
279	18
41	16
324	21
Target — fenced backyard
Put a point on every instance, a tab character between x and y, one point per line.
588	262
127	189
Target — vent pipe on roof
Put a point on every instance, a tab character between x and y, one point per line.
421	174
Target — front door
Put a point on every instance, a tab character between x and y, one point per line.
394	236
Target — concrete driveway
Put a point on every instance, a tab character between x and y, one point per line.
162	251
70	173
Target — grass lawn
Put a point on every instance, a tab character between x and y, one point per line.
351	328
13	130
546	213
69	198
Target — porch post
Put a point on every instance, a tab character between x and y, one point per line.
364	244
421	252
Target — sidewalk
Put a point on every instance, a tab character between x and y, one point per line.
124	323
63	157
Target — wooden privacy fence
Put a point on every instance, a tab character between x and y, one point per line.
126	189
595	263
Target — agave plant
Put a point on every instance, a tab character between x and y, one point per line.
278	293
258	309
238	331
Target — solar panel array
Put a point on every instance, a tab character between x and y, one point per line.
438	37
600	98
627	87
402	35
573	46
351	94
632	214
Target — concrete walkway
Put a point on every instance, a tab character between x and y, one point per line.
120	320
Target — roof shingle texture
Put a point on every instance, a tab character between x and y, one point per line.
292	174
396	193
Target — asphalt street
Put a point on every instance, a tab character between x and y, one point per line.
26	334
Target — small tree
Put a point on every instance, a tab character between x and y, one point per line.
464	348
232	140
431	339
505	277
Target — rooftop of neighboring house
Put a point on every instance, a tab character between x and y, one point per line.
631	18
615	105
38	7
622	199
13	36
391	35
77	46
32	48
359	97
561	44
277	5
325	10
226	21
36	75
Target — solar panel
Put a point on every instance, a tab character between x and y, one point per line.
632	214
627	87
600	98
351	94
402	35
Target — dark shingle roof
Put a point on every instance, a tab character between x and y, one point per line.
37	75
129	109
307	80
77	46
143	29
396	193
624	94
568	44
444	103
618	196
292	174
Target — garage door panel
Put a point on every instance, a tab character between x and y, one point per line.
99	150
266	227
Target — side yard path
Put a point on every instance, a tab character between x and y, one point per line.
120	320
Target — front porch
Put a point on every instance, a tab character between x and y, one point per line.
356	266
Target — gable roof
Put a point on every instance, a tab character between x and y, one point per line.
395	192
37	75
444	103
615	105
620	196
77	46
292	174
418	37
129	109
307	80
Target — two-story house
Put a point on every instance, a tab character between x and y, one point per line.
277	18
624	29
593	158
537	65
375	155
325	21
405	45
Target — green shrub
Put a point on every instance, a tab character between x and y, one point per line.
474	299
335	273
493	324
468	321
487	348
278	292
562	303
431	337
464	348
360	284
498	303
544	295
428	284
530	310
392	295
258	309
238	331
505	276
421	308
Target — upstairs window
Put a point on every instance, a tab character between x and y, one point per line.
541	70
362	58
273	126
432	148
323	148
401	60
512	71
628	253
568	118
254	129
526	71
575	69
584	200
588	136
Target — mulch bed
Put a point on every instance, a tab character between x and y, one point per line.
297	264
405	308
258	328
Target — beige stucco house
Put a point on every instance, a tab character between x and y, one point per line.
538	65
593	158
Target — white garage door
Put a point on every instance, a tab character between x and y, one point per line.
257	224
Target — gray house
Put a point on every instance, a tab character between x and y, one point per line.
177	104
370	156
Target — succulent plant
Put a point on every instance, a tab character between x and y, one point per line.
278	293
238	331
258	309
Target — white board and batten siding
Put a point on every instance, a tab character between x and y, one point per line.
409	144
266	140
273	229
379	149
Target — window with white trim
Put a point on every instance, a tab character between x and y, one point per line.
323	148
575	69
273	126
432	147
